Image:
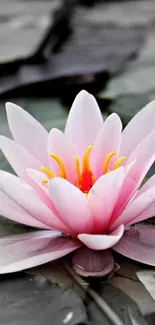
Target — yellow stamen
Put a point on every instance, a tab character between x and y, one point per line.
48	172
85	163
106	161
77	165
93	180
44	181
61	165
118	162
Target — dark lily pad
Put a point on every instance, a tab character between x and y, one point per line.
32	300
147	277
23	25
92	48
56	273
126	106
127	281
123	12
8	227
134	88
125	308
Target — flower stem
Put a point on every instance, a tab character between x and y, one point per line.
102	304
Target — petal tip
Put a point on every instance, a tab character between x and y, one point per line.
9	106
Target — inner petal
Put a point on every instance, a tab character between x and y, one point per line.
84	177
100	242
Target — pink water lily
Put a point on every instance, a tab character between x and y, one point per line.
82	188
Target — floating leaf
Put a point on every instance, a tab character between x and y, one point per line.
134	319
126	280
8	227
147	277
32	300
119	301
23	27
55	273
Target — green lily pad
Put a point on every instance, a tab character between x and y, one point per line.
32	300
135	87
8	227
23	26
127	281
126	106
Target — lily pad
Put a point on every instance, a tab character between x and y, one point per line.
127	281
126	106
134	88
32	300
8	227
92	49
124	13
147	277
120	302
55	273
22	27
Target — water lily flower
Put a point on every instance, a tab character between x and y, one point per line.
81	188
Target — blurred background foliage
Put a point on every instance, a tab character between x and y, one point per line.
50	50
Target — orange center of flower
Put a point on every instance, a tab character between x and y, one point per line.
84	176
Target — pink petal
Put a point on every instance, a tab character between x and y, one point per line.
18	157
142	158
87	262
150	183
41	190
72	205
103	196
138	243
28	201
24	251
138	128
28	132
134	211
59	144
100	242
84	121
150	211
108	140
9	209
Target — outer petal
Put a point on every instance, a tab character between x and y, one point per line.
150	211
142	158
27	200
24	251
28	132
108	139
138	243
87	262
84	121
100	242
13	211
72	205
18	157
59	144
150	183
136	209
103	196
139	127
